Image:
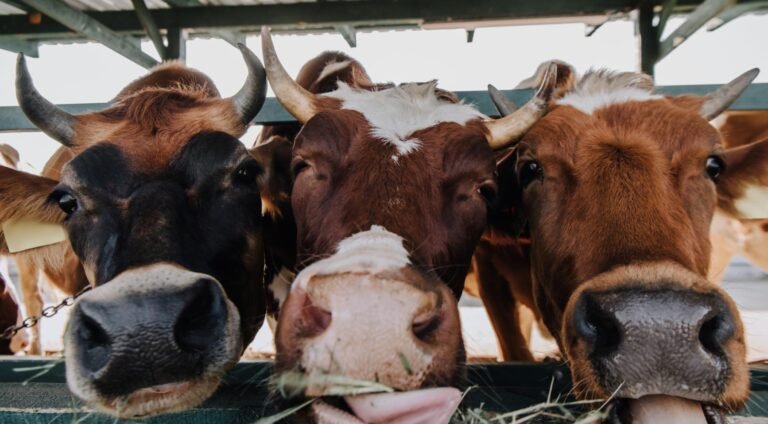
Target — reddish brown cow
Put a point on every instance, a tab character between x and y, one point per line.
10	316
618	186
161	205
731	236
390	196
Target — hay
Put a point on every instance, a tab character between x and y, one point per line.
292	384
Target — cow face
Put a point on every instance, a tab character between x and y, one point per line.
390	196
168	229
619	186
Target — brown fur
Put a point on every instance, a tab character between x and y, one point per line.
622	187
150	120
9	313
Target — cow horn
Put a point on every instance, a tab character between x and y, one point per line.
296	99
502	103
507	130
249	99
720	99
53	121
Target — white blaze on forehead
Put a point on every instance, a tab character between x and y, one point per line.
395	113
754	203
371	251
332	68
598	89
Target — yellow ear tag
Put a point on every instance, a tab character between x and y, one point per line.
24	234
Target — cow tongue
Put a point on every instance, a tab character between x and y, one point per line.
657	409
426	406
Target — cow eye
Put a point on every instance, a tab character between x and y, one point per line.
298	165
715	167
488	192
529	172
247	173
67	203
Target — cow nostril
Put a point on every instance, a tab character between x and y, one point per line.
714	332
598	327
200	319
425	326
314	319
96	345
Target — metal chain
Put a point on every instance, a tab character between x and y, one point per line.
47	312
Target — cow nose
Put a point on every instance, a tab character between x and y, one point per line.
666	341
129	339
370	328
201	317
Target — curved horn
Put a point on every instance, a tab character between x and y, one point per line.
56	123
507	130
296	99
249	99
719	100
502	103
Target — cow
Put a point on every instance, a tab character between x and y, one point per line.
617	186
390	194
161	204
10	316
730	236
66	273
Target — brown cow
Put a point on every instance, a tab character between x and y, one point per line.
10	316
162	206
390	194
66	274
731	236
618	186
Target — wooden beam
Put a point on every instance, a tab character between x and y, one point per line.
734	12
177	44
232	37
150	27
89	27
649	39
348	32
696	19
754	98
313	15
666	12
29	48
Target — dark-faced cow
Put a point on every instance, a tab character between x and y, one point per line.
390	195
161	204
618	186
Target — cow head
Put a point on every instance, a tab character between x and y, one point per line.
162	206
619	185
390	194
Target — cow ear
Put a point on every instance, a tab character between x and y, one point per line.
564	82
742	188
277	180
24	199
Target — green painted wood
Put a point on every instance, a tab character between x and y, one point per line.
34	391
308	15
755	98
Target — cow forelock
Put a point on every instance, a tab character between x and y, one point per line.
598	89
395	113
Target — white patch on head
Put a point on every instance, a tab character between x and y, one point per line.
281	285
598	89
332	68
371	251
754	203
395	113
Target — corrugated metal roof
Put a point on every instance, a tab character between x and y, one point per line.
107	5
